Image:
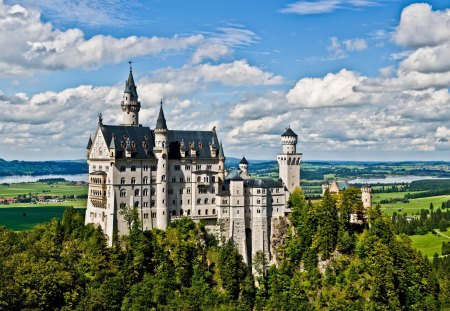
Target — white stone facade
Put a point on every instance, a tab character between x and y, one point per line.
168	174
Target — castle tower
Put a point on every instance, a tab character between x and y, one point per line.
130	103
289	160
243	166
161	152
221	163
366	196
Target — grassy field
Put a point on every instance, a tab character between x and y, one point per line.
414	205
429	244
78	203
37	188
24	218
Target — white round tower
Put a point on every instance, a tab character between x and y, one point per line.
130	103
289	141
366	196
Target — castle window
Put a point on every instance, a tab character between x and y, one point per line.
176	167
206	201
214	211
237	212
189	212
153	191
264	191
258	211
153	168
181	212
198	167
199	179
136	204
258	201
181	191
206	212
237	191
188	190
136	192
213	190
209	167
153	215
133	168
174	179
238	202
181	179
145	215
133	181
213	178
277	200
122	181
145	168
152	204
123	193
213	200
225	211
188	179
187	167
163	177
199	212
145	204
173	202
145	180
258	191
199	201
181	202
170	191
189	202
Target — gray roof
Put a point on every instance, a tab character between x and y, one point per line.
234	175
137	136
161	122
342	184
130	87
198	140
221	155
243	161
289	132
263	183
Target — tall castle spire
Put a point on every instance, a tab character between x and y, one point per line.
161	122
130	103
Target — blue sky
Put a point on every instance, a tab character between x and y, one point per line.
356	79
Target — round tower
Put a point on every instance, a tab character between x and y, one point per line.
289	141
366	196
130	103
289	160
161	152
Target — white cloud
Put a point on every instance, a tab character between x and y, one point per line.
34	45
339	49
325	6
442	132
211	51
420	26
330	91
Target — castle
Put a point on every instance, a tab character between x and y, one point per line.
168	174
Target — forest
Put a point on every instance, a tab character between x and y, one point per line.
323	263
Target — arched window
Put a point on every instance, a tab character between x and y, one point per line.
163	177
199	201
123	193
199	179
122	181
206	212
214	211
189	212
133	168
145	192
133	180
136	192
145	180
181	212
122	168
206	201
199	212
188	190
213	201
136	204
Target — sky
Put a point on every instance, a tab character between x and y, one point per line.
363	80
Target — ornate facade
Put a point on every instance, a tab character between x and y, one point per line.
168	174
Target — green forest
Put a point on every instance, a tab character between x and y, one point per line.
324	263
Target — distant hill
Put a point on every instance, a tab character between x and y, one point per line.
37	168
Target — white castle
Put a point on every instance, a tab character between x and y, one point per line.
168	174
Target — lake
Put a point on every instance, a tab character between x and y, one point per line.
391	179
29	178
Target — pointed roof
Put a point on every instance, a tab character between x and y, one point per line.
130	87
112	145
244	161
161	122
221	155
89	145
289	132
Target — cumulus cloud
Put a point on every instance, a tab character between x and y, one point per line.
332	90
421	26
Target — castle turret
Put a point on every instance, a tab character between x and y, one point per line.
221	163
243	166
88	147
289	160
161	152
366	196
130	103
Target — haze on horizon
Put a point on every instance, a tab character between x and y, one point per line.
356	80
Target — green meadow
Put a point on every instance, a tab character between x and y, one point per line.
415	205
39	188
429	244
25	218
